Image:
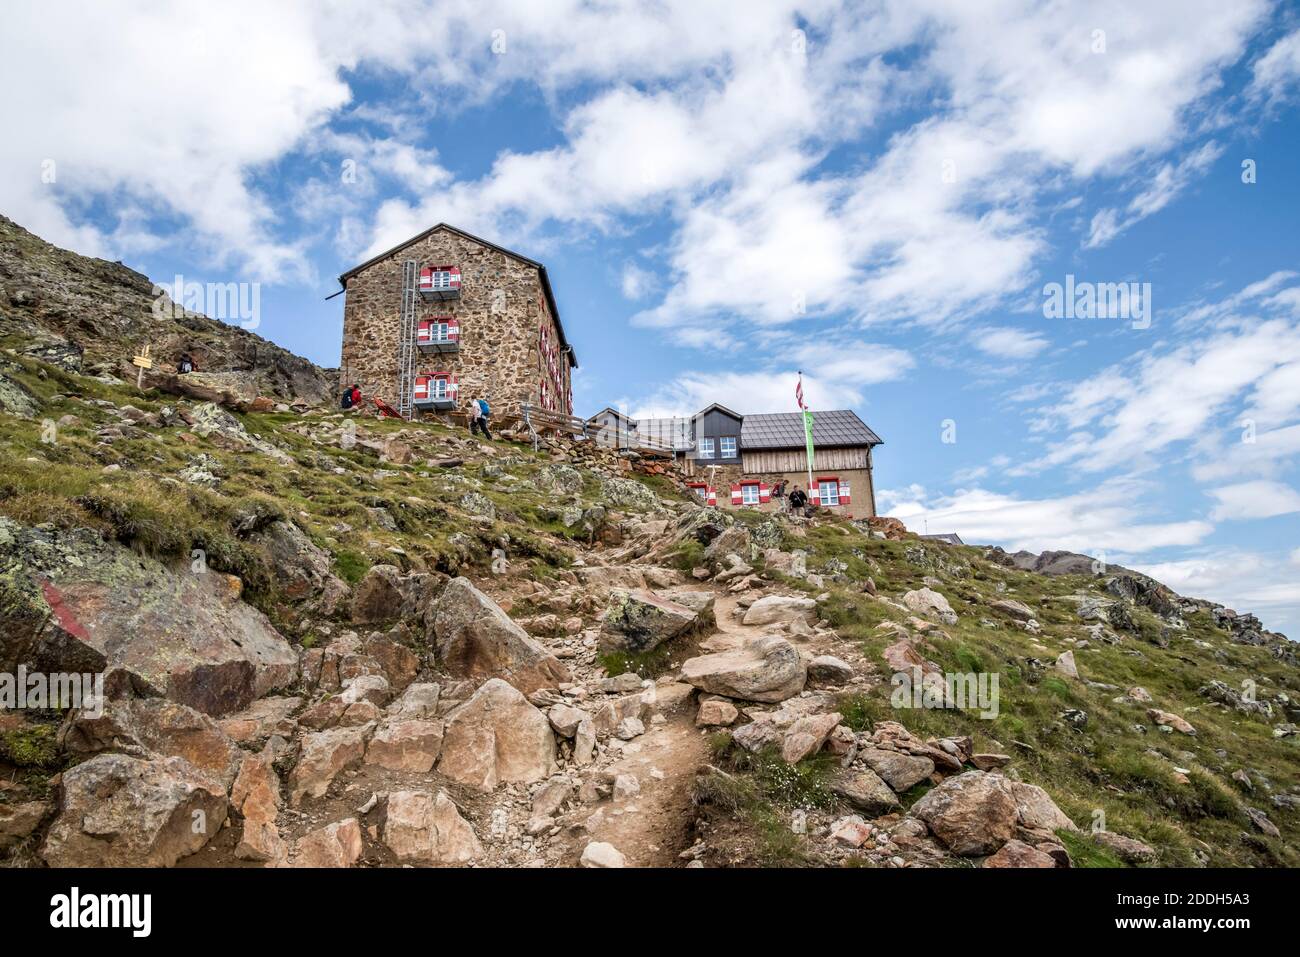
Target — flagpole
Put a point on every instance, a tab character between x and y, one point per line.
807	431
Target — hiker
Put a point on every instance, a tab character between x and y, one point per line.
480	410
351	397
798	499
356	394
186	365
778	490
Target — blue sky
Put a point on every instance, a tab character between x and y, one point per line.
874	192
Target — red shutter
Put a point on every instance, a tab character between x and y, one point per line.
735	495
814	494
421	388
764	493
844	494
453	388
426	330
453	329
712	496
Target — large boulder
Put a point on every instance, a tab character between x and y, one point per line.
72	603
324	755
972	814
931	604
305	571
780	609
763	669
628	493
900	771
637	621
421	828
156	725
476	639
1036	811
865	791
406	745
334	845
120	811
497	737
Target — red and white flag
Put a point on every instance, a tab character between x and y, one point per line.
798	392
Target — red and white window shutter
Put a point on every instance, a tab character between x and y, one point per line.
453	328
814	494
711	495
735	494
764	493
421	392
844	494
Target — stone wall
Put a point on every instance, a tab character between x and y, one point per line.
501	311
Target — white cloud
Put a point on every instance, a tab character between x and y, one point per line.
1009	343
1169	180
636	282
1114	517
1277	70
1258	499
834	377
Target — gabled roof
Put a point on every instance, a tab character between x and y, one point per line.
541	270
720	408
614	412
951	538
784	430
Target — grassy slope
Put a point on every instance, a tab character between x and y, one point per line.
1105	767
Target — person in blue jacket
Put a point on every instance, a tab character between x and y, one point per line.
479	420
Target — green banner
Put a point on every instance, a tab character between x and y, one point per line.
807	434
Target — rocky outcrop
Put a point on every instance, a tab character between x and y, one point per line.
324	755
120	811
176	633
476	639
156	725
334	845
97	312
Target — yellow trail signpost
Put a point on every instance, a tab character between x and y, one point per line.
142	362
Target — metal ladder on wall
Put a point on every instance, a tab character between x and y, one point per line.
406	344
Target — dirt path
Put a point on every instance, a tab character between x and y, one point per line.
651	828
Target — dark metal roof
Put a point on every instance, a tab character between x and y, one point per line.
950	538
784	430
546	282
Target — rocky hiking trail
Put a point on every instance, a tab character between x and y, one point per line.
401	646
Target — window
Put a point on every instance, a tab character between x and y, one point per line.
749	493
701	490
706	449
439	387
439	280
830	491
728	446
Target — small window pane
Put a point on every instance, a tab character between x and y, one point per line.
728	446
706	448
749	494
830	492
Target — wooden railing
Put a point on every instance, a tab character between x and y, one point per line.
546	420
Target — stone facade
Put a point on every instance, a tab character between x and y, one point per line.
512	348
861	501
